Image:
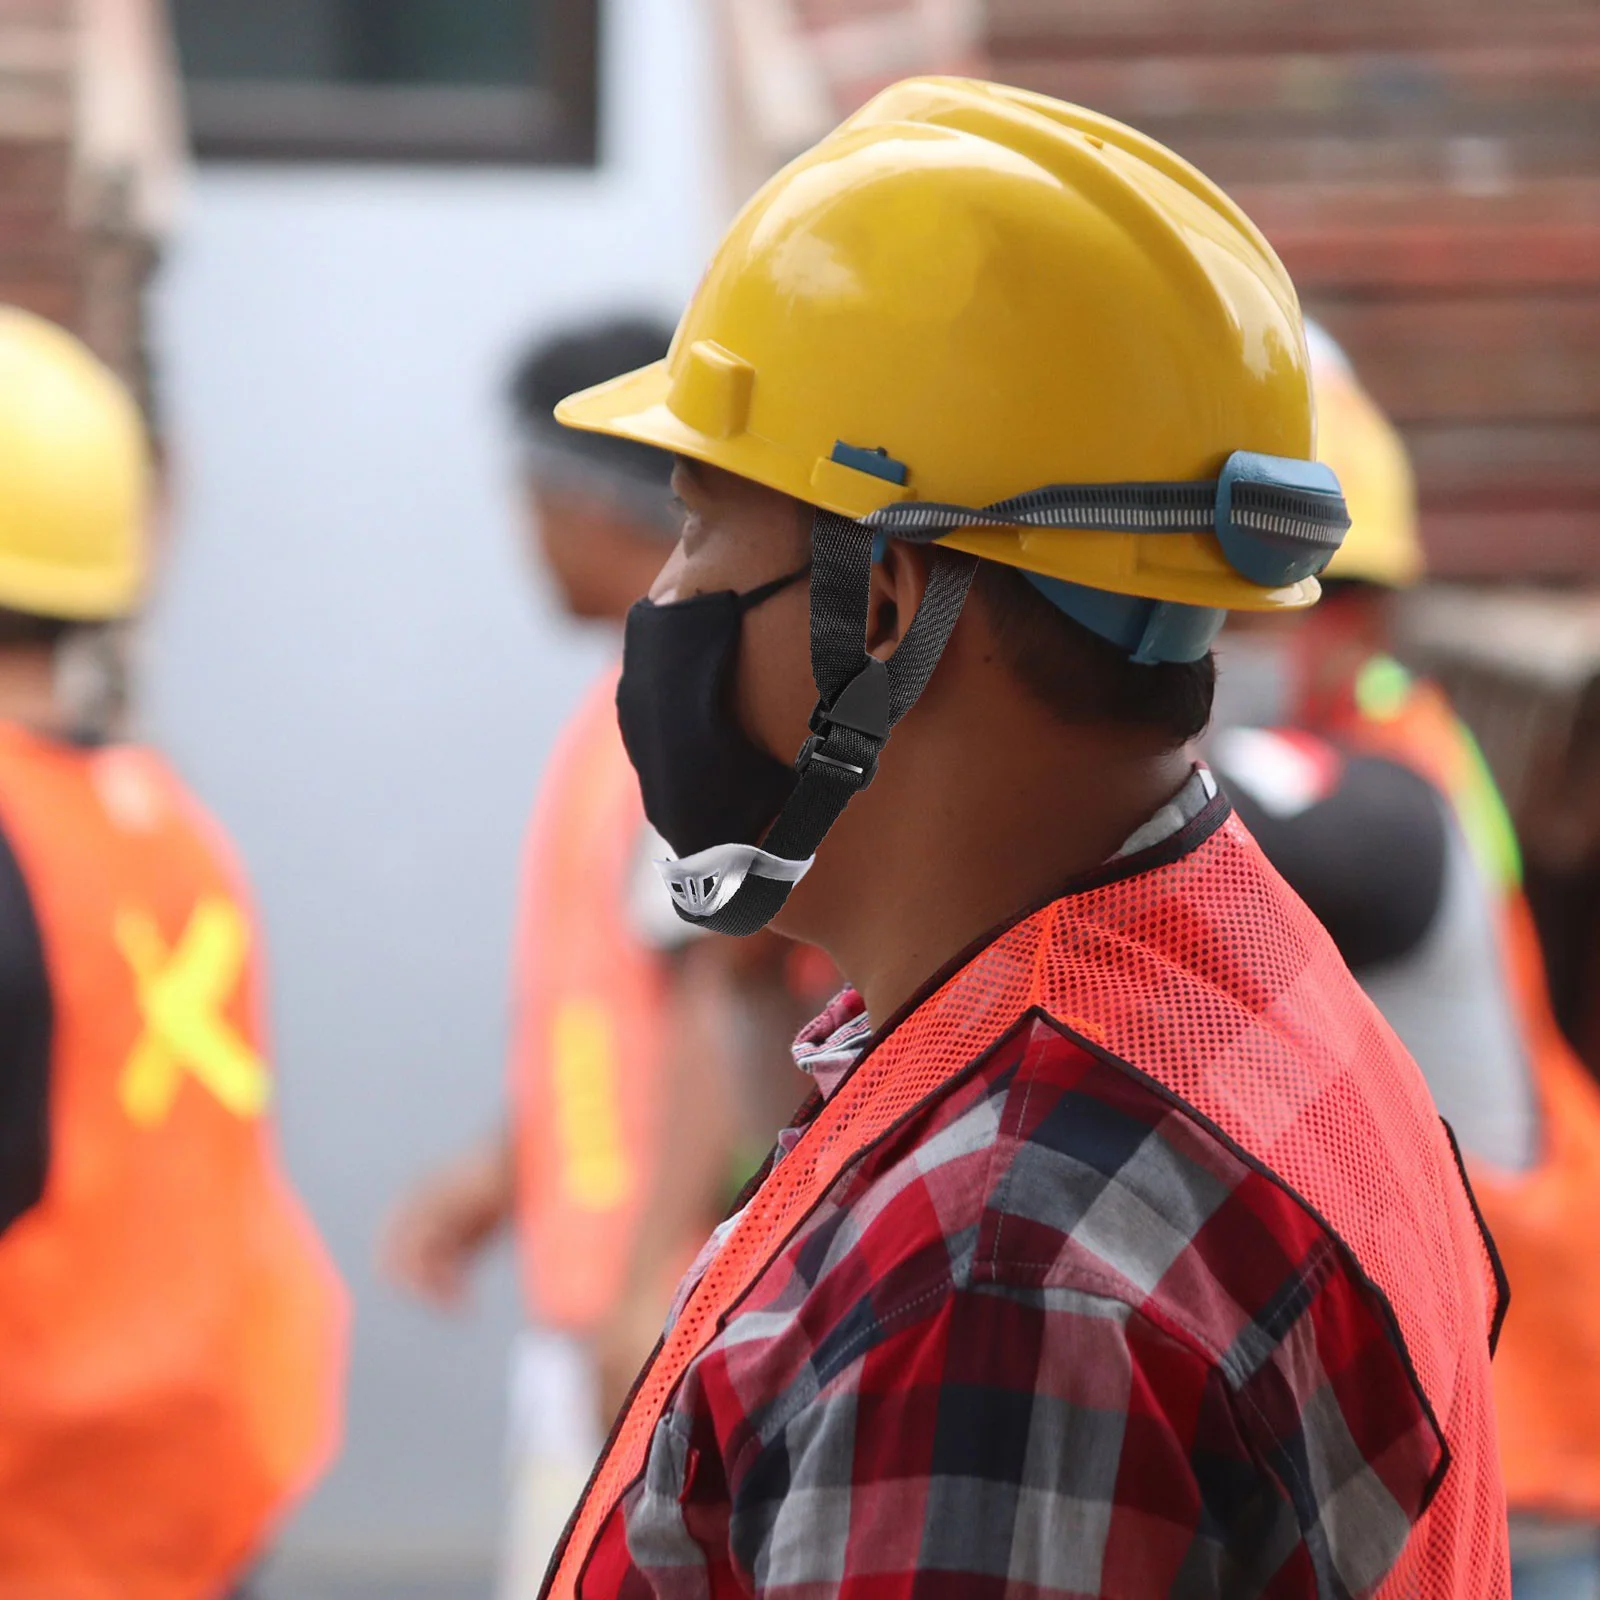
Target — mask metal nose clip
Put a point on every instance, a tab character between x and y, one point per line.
702	884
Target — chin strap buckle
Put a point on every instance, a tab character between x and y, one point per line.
848	736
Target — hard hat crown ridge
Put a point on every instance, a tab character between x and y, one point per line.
73	477
1001	293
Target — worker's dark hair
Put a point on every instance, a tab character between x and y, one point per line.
1084	678
578	357
22	628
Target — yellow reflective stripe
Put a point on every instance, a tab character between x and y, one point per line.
595	1171
182	993
1487	823
1382	688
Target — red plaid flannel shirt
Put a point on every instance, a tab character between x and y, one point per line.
1054	1338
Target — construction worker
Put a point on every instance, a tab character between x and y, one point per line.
1372	798
171	1332
650	1064
1121	1250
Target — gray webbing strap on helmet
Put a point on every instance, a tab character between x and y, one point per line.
1278	520
738	889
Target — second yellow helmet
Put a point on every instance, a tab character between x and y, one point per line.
73	477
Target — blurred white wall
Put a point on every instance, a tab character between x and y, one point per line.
349	662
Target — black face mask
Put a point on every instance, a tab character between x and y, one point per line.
704	782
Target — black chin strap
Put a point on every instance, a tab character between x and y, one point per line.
860	700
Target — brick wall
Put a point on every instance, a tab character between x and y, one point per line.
792	69
38	247
1430	172
76	238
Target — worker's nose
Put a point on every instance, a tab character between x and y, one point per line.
665	589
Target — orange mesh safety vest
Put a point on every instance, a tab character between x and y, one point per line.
1208	975
585	1078
171	1333
1547	1368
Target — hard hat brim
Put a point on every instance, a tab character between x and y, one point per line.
635	407
49	589
1180	567
632	406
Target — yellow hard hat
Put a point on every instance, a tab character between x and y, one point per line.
967	293
1359	442
73	477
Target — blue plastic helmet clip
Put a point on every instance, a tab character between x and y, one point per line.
1278	520
876	463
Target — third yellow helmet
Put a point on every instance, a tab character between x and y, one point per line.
1362	446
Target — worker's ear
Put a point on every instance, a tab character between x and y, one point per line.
899	579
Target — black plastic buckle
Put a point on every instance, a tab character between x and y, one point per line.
863	704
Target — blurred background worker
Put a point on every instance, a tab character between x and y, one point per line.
650	1068
171	1334
1372	798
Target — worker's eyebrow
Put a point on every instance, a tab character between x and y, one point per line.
687	471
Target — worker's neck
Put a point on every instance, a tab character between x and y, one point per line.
29	694
964	838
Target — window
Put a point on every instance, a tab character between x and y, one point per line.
391	79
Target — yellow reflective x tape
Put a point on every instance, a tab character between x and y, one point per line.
182	993
595	1171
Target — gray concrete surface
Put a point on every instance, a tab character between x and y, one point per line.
289	1580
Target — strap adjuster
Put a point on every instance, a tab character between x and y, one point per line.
845	758
849	734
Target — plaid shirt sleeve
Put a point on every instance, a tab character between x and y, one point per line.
1063	1343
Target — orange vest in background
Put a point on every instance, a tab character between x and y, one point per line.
585	1063
1547	1369
171	1333
1211	977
